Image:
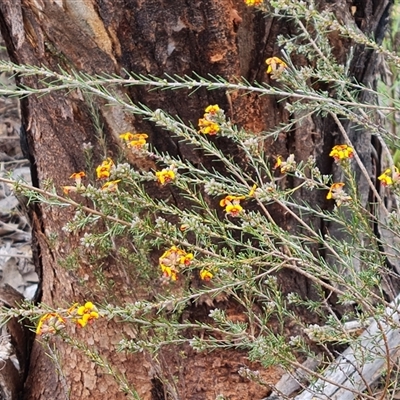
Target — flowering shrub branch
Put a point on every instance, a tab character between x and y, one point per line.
225	239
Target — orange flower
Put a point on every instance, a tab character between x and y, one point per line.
69	189
341	152
165	176
77	175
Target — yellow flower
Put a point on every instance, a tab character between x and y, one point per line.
134	139
169	272
203	122
104	170
334	189
206	275
87	313
173	260
233	209
111	186
251	3
208	127
211	129
165	176
213	110
337	193
209	124
175	256
88	307
341	152
275	64
186	258
390	177
126	137
286	166
50	323
232	205
138	140
231	199
278	162
252	191
87	318
386	178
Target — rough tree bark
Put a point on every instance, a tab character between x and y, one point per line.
220	37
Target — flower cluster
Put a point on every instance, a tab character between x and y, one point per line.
232	205
341	152
52	323
337	193
209	123
286	166
134	140
165	176
390	177
276	66
77	176
103	171
85	314
173	260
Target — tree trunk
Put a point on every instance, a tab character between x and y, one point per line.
215	37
